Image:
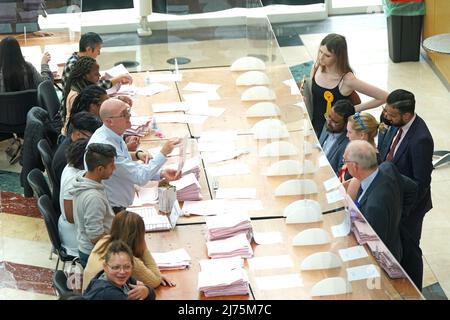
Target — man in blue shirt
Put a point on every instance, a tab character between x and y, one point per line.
120	187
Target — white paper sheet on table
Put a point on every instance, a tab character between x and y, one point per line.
204	208
267	237
218	156
170	107
331	183
323	161
352	253
282	281
140	120
201	87
270	262
206	111
362	272
202	96
207	136
236	193
152	89
212	265
334	196
231	169
127	89
216	146
171	256
179	118
242	205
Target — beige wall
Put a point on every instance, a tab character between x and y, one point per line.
437	21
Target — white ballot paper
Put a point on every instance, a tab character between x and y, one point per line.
231	169
334	196
331	183
283	281
352	253
225	264
267	237
236	193
362	272
170	107
323	161
201	87
271	262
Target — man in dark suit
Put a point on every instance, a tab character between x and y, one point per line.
408	144
333	138
384	196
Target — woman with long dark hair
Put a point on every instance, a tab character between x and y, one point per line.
333	80
16	74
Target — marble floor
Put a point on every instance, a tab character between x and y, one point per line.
25	268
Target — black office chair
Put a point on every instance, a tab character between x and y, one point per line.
59	280
47	157
38	183
51	217
47	98
14	107
39	126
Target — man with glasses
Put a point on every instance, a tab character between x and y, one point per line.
408	144
84	125
120	187
333	138
384	194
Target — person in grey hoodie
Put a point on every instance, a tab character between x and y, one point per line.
93	215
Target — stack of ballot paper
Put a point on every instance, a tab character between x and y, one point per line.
172	260
228	225
237	246
386	259
153	221
232	280
363	232
140	126
188	188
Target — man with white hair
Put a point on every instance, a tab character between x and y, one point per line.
115	115
384	196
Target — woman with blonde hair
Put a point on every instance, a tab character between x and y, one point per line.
360	126
128	227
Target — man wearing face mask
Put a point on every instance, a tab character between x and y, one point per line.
408	144
333	138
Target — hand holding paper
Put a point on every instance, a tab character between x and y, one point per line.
169	146
170	174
